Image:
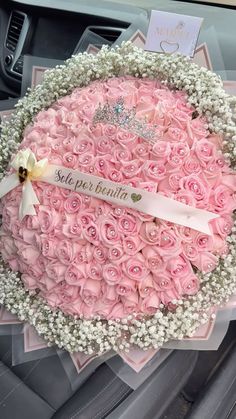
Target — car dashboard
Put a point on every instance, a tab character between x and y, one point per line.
48	33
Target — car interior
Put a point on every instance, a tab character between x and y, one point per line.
191	384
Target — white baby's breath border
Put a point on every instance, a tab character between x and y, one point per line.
205	91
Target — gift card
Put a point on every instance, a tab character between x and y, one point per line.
172	33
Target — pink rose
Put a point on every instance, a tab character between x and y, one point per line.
109	231
69	160
162	282
127	138
189	285
13	263
66	251
112	274
221	199
178	267
85	218
46	284
127	224
91	233
109	131
125	287
42	152
67	292
29	282
71	227
203	242
91	292
48	218
53	299
168	296
32	222
115	253
181	150
131	168
205	150
100	254
29	254
73	307
169	244
49	191
131	303
56	148
36	270
154	170
191	165
86	111
148	186
121	154
104	146
205	262
220	246
161	150
56	270
149	233
74	275
73	203
110	296
117	312
48	246
174	162
213	173
153	260
83	145
56	202
135	268
176	134
190	251
198	128
186	234
86	200
146	286
101	309
68	143
7	246
141	151
84	254
150	304
115	175
181	117
174	181
94	271
86	160
16	229
222	225
103	164
46	118
132	245
198	188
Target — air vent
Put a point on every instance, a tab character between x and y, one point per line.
109	33
14	30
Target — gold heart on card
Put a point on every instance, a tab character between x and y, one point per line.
136	197
169	47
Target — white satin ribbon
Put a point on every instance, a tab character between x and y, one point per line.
27	160
150	203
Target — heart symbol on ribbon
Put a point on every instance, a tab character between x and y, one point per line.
169	47
136	197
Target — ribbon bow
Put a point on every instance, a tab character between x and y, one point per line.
27	169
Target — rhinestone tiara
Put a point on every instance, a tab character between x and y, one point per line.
116	114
